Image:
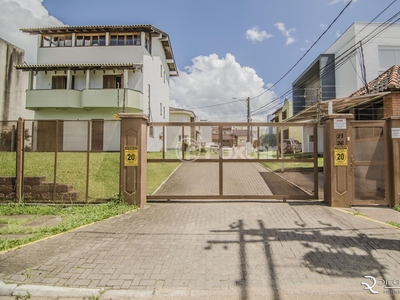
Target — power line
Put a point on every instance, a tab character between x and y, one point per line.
312	46
213	105
336	64
341	59
333	63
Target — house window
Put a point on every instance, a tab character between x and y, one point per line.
60	82
56	40
164	112
286	134
148	43
90	40
284	115
151	131
160	109
124	39
112	81
277	119
136	39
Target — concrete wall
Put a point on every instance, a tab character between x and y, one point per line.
13	83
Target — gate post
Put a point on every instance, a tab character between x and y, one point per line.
133	158
19	169
338	188
393	160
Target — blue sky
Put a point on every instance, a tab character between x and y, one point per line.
223	48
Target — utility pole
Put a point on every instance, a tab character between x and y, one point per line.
248	119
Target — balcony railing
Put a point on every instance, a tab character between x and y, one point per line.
37	99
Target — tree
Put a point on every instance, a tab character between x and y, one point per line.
268	139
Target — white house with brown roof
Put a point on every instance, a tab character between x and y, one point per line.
175	135
96	72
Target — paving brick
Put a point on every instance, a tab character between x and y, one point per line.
229	247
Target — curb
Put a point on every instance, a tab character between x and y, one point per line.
365	217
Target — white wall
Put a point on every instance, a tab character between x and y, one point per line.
348	75
159	94
13	83
309	147
173	132
76	136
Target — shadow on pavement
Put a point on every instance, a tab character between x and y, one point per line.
330	253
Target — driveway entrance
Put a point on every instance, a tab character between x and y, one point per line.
248	170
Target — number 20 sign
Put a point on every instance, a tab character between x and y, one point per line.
131	156
340	153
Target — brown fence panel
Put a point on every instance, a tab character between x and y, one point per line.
62	161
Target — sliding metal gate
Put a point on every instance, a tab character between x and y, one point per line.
236	160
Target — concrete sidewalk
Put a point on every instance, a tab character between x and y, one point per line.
211	250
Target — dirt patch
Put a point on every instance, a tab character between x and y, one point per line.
14	236
17	217
44	221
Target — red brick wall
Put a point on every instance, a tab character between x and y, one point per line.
391	105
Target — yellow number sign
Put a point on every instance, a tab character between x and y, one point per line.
131	156
340	156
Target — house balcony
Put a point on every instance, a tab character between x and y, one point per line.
37	99
85	99
112	98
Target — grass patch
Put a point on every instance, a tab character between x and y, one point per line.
395	224
72	217
357	213
292	165
72	169
397	207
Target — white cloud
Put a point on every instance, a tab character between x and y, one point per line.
17	14
286	32
212	80
333	2
255	35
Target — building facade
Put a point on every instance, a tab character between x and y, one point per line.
96	72
13	83
175	135
360	54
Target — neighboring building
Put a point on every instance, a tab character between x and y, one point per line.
281	115
96	72
175	136
228	136
358	56
205	137
240	137
378	100
13	83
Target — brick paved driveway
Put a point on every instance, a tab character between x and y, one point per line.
217	251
